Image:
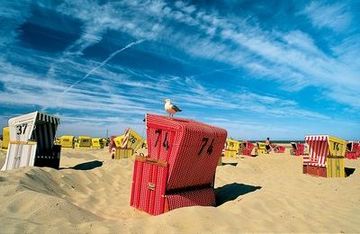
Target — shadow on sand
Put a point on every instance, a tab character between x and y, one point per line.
232	191
231	164
349	171
86	166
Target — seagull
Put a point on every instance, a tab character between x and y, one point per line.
171	108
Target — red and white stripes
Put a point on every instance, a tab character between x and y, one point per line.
319	150
126	138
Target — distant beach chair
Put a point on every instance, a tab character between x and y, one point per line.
297	149
179	169
248	149
278	148
261	148
6	138
326	156
232	148
83	142
124	146
67	141
95	143
32	141
352	150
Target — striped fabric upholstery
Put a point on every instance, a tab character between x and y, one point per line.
44	133
42	117
319	149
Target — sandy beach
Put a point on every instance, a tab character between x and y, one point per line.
90	194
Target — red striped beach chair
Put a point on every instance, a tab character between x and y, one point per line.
179	169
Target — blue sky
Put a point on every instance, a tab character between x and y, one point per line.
281	69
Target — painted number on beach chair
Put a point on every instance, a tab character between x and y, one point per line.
132	139
166	142
209	150
157	131
20	129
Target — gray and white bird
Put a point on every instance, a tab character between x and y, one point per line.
171	108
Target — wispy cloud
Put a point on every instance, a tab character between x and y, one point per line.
334	15
194	37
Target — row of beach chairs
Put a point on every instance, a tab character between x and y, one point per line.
179	167
68	141
234	148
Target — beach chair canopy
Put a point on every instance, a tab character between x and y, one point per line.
32	141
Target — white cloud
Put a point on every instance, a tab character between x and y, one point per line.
334	16
290	58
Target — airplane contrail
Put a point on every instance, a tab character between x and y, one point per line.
102	64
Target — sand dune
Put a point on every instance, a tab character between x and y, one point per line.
91	192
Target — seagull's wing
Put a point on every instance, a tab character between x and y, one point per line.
175	108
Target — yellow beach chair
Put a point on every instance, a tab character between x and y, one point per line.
67	141
232	148
261	148
6	138
83	142
95	143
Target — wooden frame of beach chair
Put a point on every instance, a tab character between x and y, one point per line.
179	169
326	156
32	141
